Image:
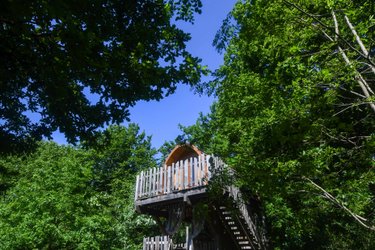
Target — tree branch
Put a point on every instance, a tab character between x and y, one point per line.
360	80
314	17
360	43
330	197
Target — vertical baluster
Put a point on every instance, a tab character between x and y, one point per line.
177	175
136	188
157	181
165	179
191	171
185	173
178	178
207	162
141	185
202	168
144	243
154	180
199	170
150	182
182	175
195	171
173	175
161	180
169	179
146	182
157	243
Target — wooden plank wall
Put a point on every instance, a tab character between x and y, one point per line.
185	174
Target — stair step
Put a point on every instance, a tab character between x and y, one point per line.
246	242
240	237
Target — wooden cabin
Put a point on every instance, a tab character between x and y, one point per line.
177	198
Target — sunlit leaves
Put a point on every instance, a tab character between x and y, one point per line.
288	109
67	198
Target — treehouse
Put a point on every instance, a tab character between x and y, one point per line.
177	197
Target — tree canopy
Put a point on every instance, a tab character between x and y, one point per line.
294	117
76	66
70	198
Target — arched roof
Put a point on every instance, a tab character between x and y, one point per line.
182	152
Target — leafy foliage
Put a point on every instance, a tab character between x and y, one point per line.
74	67
289	119
73	198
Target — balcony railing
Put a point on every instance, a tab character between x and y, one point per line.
182	175
166	243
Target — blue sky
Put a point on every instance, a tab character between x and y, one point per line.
161	119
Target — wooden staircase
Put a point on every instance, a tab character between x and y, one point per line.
236	227
238	222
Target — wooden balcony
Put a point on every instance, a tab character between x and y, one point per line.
172	193
184	178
